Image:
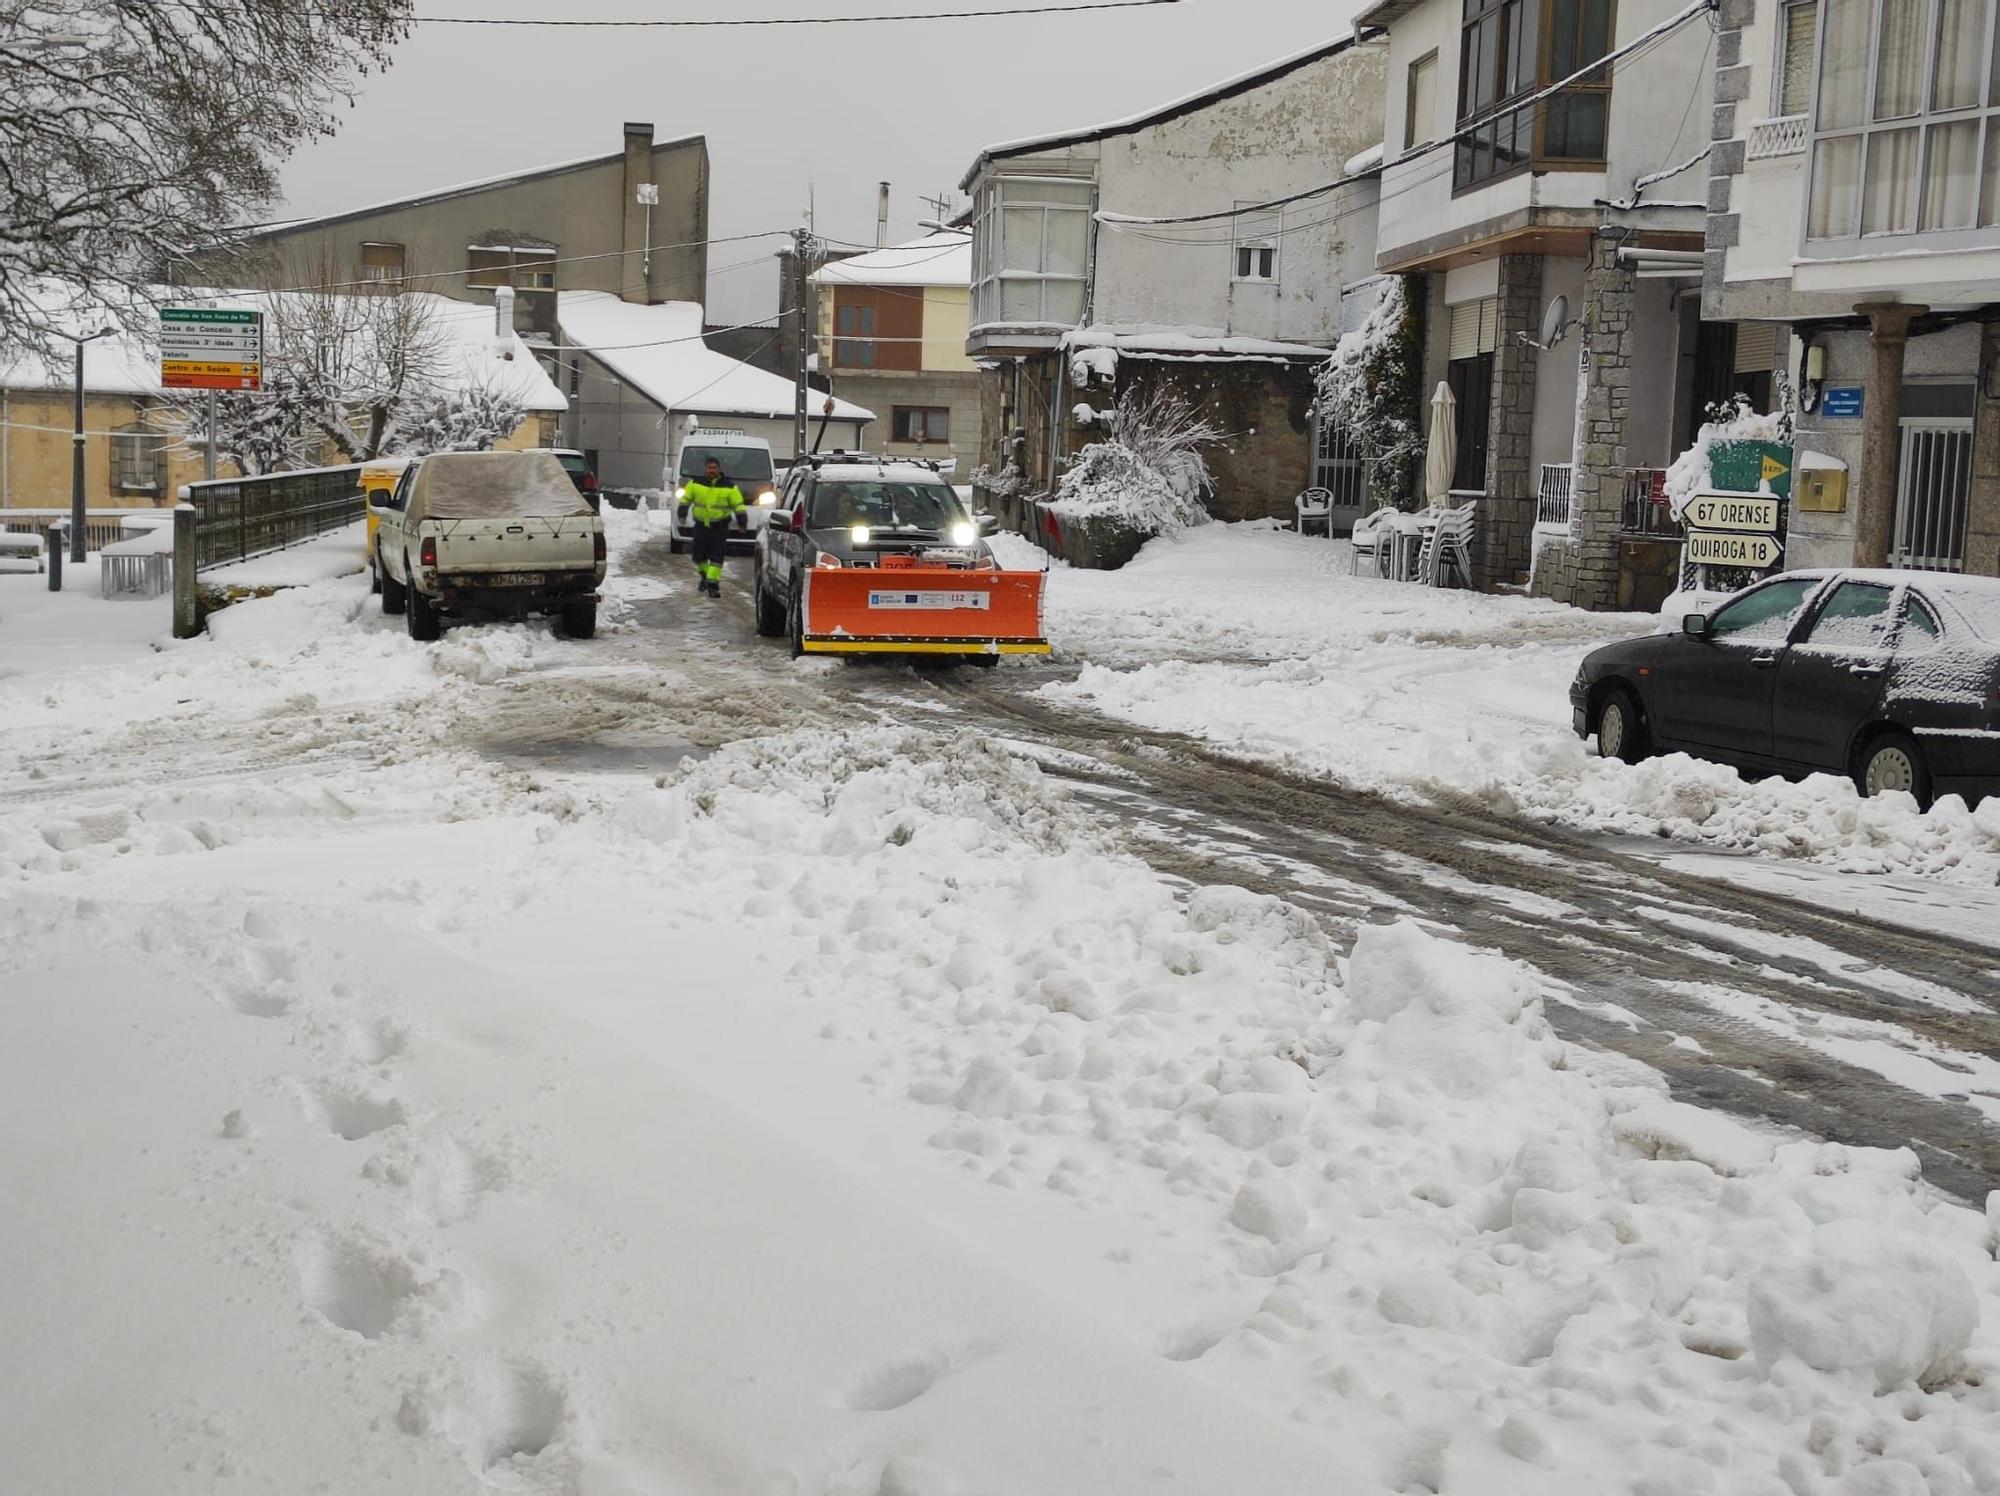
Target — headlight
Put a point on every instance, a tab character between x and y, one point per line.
827	563
963	533
681	492
859	535
767	499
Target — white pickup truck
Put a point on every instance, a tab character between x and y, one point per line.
489	535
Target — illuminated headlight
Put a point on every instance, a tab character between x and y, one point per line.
681	492
963	533
767	499
859	534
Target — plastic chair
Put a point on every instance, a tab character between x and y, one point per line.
1369	540
1446	559
1315	504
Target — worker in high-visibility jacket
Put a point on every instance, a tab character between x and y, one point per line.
713	504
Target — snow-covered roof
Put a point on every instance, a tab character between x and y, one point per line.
1156	340
943	259
459	189
128	363
1242	83
885	472
658	351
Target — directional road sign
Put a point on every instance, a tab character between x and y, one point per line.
1732	511
206	349
1731	548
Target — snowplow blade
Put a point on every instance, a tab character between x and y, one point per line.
922	610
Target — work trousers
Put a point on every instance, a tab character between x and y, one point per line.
711	544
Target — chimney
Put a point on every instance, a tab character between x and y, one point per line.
503	320
633	282
882	217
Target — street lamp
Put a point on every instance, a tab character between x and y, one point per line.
76	536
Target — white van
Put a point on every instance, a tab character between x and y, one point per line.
746	462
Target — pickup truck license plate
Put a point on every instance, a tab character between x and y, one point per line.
518	578
932	600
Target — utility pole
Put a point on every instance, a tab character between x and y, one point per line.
77	537
803	248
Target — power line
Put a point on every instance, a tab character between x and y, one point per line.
717	22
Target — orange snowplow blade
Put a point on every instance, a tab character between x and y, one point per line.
922	610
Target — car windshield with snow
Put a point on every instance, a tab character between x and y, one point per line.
919	508
1889	678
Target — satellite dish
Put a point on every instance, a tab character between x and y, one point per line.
1555	322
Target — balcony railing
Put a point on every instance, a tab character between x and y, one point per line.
1785	136
1552	496
1644	509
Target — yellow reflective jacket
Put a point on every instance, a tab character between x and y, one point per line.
708	503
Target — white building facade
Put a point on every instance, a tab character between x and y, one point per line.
1507	198
1234	301
1855	197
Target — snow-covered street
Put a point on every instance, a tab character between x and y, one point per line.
1257	1050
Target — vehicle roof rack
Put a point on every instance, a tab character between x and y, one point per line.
875	459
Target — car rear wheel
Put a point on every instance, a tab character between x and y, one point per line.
1621	732
1893	761
422	615
771	618
579	619
393	594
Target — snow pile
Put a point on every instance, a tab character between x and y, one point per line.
1689	474
1261	642
1383	1203
1149	474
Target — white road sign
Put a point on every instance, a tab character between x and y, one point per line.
202	348
1731	548
1733	511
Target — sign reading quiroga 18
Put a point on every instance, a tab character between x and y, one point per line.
1732	511
1731	548
206	349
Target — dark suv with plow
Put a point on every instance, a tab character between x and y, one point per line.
1889	677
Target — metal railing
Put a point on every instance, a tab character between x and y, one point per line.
238	518
1784	136
1555	493
1643	508
101	527
1933	492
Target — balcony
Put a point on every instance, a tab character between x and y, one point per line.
1784	136
1643	508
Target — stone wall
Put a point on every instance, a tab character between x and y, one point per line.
1265	459
1506	526
1982	522
1583	568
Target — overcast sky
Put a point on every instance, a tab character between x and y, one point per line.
833	108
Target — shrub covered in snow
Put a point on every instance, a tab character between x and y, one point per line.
1728	422
1371	388
459	421
1151	473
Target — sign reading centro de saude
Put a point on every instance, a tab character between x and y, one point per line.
203	348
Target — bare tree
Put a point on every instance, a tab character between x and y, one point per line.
136	134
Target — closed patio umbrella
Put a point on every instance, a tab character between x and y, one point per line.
1442	454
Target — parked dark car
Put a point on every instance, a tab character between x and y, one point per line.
578	467
1890	677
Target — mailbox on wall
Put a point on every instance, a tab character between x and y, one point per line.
1821	484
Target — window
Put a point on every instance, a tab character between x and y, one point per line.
530	268
1765	614
1031	252
137	459
1512	48
382	262
854	337
1797	30
1254	235
1906	119
1474	334
1855	617
1256	262
1420	102
839	503
920	423
1920	626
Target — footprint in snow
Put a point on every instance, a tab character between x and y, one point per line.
900	1382
353	1113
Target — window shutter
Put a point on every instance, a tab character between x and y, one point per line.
1465	330
1756	347
1475	327
1795	89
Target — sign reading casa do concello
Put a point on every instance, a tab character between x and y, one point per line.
207	349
